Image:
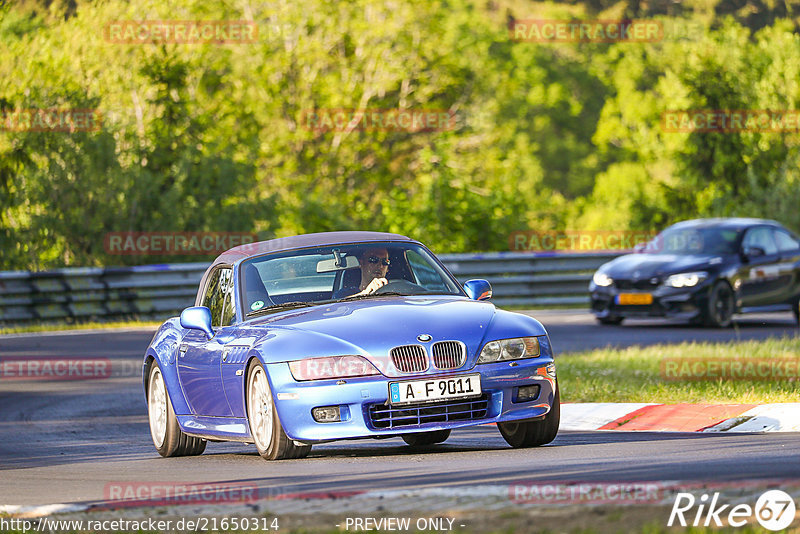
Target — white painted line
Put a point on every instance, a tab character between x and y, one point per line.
783	417
593	415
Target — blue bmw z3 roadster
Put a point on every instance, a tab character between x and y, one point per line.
341	335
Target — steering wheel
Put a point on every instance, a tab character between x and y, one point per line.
400	286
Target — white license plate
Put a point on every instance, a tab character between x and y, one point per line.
454	387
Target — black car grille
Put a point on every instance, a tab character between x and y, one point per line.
409	358
448	354
383	416
650	283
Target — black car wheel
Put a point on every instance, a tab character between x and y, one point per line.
534	433
611	319
423	439
721	305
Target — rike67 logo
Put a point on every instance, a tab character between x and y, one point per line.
774	510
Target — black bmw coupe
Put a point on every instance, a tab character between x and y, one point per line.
704	271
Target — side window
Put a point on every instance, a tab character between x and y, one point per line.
424	273
228	308
218	297
211	289
786	243
760	237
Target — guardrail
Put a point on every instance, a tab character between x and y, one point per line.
160	291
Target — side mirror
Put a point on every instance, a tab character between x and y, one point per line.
752	252
198	318
478	289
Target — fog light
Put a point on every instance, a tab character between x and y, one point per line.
326	414
527	393
551	370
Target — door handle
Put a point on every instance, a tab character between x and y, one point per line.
182	349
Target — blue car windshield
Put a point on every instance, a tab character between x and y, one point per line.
702	241
341	271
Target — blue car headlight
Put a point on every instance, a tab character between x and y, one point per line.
515	348
686	279
331	367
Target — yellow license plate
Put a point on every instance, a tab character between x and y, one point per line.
635	299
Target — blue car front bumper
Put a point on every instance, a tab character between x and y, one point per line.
366	412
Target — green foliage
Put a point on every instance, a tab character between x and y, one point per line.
696	174
213	137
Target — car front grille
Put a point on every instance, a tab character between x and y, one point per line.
409	358
383	416
449	354
650	283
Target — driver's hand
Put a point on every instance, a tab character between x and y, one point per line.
373	286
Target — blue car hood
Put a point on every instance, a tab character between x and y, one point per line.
373	326
391	321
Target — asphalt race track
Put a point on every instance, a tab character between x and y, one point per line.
572	331
65	441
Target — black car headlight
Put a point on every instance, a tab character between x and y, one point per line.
686	279
515	348
602	279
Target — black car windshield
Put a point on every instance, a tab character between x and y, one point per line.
706	240
338	272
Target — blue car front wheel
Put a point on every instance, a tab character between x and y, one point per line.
167	436
262	417
534	433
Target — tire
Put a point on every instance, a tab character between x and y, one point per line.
424	439
534	433
167	436
796	311
721	305
610	320
265	426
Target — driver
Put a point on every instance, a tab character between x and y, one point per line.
374	263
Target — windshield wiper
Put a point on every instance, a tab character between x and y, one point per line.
370	295
276	307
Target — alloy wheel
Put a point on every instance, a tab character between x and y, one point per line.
157	408
259	407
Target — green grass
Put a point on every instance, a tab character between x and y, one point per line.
50	327
635	374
